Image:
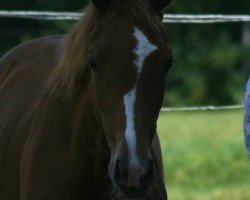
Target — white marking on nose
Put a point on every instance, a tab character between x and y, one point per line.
142	50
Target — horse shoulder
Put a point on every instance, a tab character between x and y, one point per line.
23	72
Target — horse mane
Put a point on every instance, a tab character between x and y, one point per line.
67	77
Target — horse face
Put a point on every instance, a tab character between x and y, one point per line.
129	65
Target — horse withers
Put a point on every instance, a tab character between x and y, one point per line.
78	113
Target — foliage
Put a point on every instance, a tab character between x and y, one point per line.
210	61
206	160
209	58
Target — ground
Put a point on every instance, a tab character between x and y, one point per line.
204	155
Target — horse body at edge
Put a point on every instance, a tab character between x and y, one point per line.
78	113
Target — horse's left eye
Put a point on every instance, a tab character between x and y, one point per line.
92	63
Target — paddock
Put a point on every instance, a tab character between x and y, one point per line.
216	165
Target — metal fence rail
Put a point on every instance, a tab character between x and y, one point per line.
205	18
203	108
168	18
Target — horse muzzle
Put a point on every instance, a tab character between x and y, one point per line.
133	179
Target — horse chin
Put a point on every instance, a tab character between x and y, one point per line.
128	196
125	195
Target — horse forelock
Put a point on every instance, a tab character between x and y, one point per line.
140	12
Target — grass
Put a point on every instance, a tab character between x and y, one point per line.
204	155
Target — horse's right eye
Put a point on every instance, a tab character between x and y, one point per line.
92	63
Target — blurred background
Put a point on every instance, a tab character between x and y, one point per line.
211	60
203	151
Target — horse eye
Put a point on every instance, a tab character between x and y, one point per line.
92	63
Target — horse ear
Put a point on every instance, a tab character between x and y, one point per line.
159	5
101	4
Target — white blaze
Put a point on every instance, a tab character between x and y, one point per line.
142	50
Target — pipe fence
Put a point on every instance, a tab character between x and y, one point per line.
168	18
203	108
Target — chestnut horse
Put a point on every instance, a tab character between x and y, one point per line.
78	113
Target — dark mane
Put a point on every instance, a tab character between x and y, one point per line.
66	77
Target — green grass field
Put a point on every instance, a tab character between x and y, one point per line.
204	155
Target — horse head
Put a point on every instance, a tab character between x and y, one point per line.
129	57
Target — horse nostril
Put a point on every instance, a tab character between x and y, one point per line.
148	177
